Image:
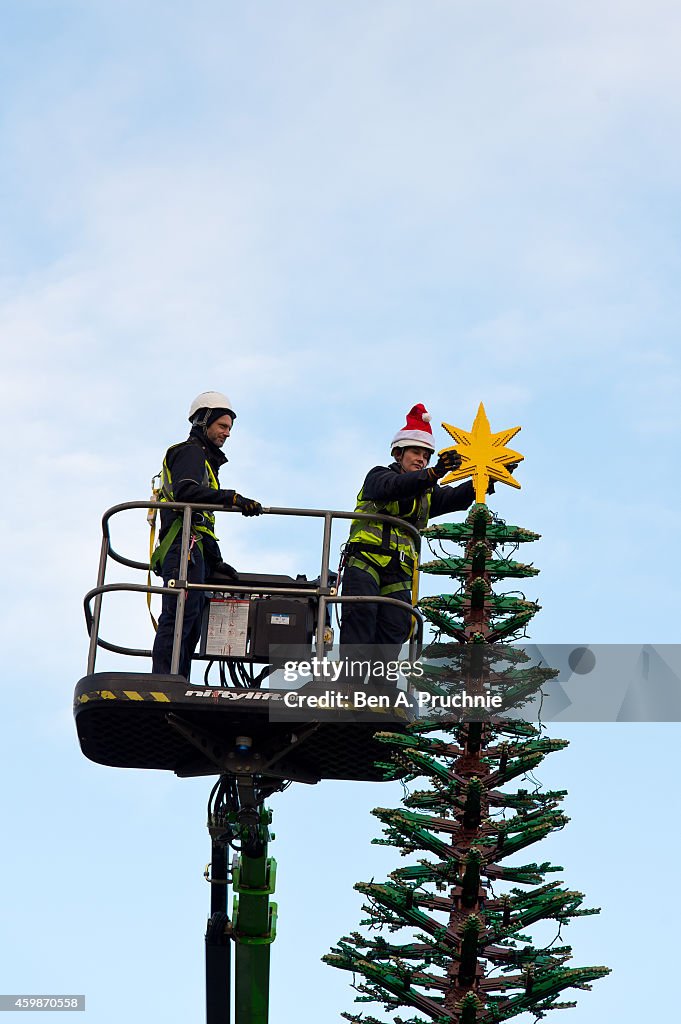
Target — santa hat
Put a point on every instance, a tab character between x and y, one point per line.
416	431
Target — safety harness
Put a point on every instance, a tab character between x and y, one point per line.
202	522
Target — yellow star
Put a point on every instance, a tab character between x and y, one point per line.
484	455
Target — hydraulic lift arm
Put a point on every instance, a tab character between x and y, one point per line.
254	926
238	818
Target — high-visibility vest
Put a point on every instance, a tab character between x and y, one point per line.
205	525
384	543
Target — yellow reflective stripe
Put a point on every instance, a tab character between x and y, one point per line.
379	560
133	694
358	563
393	588
161	697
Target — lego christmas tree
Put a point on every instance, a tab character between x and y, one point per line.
463	897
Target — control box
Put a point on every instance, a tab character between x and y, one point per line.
246	626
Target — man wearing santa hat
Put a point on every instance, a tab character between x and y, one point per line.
380	556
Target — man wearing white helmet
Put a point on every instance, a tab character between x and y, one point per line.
190	473
381	557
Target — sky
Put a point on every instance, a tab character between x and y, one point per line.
330	212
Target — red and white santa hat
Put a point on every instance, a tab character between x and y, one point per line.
416	431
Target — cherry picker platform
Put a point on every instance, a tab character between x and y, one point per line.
139	720
239	727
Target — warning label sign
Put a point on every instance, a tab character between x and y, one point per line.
227	628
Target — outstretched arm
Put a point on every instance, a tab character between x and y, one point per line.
383	484
452	499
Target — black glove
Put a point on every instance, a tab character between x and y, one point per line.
447	462
224	569
247	506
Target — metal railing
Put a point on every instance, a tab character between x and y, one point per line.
323	592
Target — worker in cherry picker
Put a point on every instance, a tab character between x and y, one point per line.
190	473
380	558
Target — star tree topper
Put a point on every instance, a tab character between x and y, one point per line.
484	455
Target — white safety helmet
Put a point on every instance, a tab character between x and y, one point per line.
210	400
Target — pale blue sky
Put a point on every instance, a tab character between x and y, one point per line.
331	212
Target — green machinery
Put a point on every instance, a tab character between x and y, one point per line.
238	818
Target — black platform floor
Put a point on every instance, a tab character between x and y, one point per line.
135	720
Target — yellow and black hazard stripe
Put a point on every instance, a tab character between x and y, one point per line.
157	696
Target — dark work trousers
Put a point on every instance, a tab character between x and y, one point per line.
374	631
191	629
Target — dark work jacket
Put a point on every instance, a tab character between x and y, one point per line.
187	465
388	483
